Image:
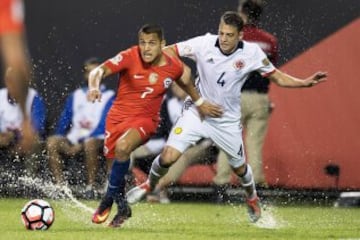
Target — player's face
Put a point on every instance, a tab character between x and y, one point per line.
150	47
229	37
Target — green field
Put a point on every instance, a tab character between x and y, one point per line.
188	221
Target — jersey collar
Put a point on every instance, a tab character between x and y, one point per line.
239	46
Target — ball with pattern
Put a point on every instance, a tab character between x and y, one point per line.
37	214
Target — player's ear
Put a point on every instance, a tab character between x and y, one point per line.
163	43
241	34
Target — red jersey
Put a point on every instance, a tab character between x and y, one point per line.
141	86
266	41
11	16
269	44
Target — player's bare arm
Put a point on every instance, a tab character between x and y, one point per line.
95	77
204	107
284	80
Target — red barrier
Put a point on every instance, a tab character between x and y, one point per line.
311	128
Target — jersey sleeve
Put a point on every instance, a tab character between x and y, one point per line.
119	62
65	120
263	64
38	115
191	47
100	128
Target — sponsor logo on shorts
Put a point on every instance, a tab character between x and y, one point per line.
178	130
266	62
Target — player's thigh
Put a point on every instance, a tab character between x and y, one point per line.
155	145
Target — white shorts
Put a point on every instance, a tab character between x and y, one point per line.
189	129
155	145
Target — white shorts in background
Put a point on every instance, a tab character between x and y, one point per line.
189	129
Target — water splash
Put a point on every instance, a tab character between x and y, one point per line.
269	220
53	191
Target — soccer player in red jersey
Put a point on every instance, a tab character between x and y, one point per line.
146	71
15	59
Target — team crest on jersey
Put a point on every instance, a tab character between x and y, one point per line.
178	130
239	64
117	59
153	78
187	49
167	82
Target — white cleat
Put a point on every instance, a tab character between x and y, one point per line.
137	193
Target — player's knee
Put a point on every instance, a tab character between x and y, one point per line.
122	150
169	155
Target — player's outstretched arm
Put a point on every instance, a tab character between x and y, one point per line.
284	80
95	77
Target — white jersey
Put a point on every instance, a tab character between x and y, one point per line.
11	116
82	119
220	76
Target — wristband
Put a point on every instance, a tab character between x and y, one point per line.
199	102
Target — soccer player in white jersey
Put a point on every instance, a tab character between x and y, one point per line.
223	62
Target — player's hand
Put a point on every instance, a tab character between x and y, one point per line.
94	95
210	110
315	79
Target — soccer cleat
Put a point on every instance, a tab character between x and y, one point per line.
158	197
254	209
124	212
137	193
103	211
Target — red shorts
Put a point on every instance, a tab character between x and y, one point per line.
114	130
11	16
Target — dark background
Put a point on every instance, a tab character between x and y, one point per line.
61	34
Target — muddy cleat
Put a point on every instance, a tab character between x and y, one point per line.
137	193
254	209
103	211
124	212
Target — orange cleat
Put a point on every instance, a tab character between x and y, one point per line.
254	209
103	211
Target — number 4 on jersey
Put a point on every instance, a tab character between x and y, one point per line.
220	80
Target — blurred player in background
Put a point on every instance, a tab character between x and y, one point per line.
11	132
16	61
145	74
80	132
224	62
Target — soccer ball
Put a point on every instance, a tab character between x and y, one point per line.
37	214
